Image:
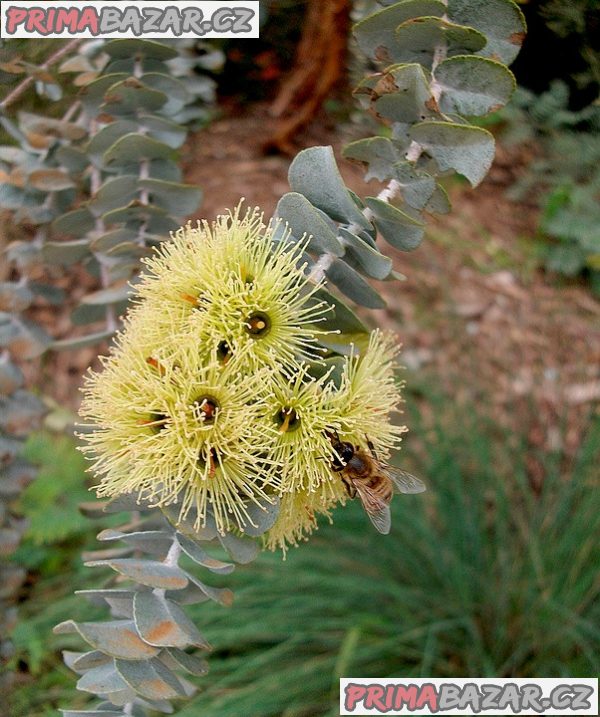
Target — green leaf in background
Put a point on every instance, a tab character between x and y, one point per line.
180	199
107	136
163	130
110	295
75	223
50	502
468	150
92	94
473	85
81	342
114	193
135	147
130	96
140	48
501	21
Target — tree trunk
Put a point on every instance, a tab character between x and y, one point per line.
320	64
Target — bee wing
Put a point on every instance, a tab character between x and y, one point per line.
376	508
405	482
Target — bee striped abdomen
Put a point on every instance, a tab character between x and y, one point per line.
381	486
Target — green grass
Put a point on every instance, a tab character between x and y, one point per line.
479	578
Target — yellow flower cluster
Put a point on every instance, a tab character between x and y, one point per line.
207	401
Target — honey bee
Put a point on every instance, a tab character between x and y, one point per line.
363	474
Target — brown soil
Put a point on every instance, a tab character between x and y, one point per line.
476	314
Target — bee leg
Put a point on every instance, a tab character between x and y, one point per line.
371	448
350	489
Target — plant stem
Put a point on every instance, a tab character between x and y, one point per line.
52	60
319	270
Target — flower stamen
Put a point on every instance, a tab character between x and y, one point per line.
288	420
206	408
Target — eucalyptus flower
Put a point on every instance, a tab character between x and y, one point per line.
369	394
298	513
179	428
301	410
229	285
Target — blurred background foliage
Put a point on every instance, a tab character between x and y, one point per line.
489	574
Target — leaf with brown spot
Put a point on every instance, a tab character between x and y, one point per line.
117	638
150	679
162	623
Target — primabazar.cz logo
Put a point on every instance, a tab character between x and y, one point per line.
469	696
128	18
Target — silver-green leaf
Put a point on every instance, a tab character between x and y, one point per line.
468	150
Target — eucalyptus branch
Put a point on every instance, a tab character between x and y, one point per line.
21	88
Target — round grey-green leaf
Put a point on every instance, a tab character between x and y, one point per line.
135	147
263	517
114	193
341	317
418	39
66	252
352	285
473	86
142	48
304	219
501	21
375	34
162	623
117	638
242	550
92	94
190	663
179	199
314	173
151	679
102	680
397	228
408	95
378	153
466	149
147	572
81	342
371	261
198	555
